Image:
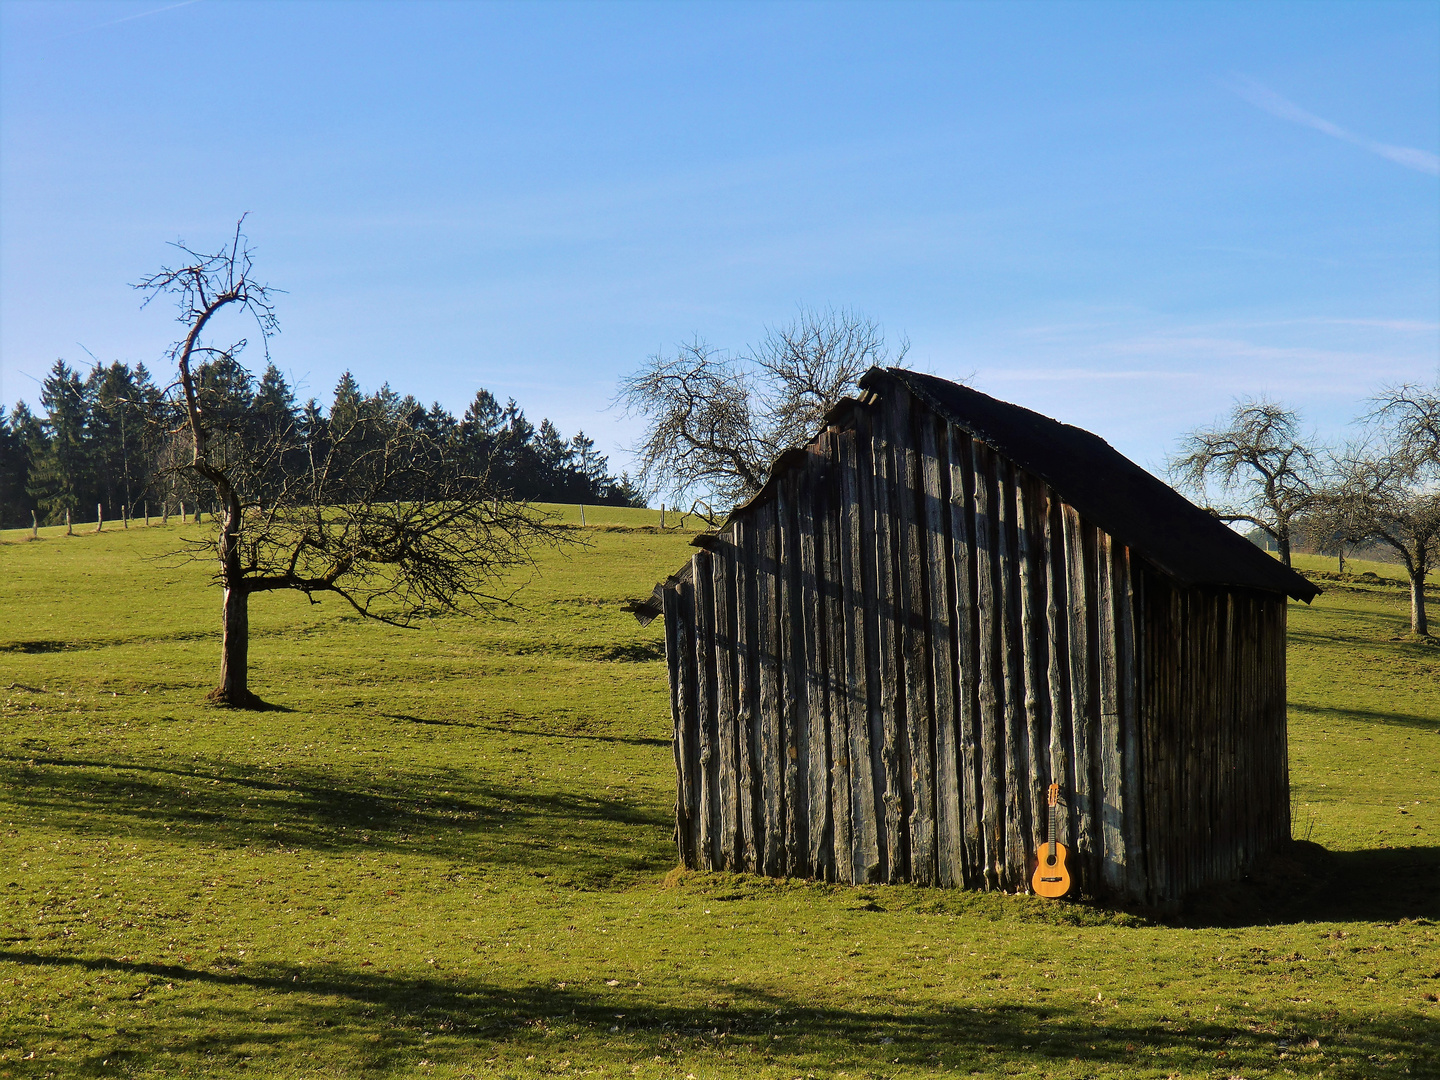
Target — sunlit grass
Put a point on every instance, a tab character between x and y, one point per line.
449	852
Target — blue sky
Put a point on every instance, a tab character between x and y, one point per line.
1123	215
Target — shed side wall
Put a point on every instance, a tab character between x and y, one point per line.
877	673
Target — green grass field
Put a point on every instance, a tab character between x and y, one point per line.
447	853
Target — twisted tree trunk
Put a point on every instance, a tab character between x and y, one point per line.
234	688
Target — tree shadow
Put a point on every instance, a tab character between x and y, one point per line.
1374	716
428	720
543	828
381	1020
252	703
35	646
626	740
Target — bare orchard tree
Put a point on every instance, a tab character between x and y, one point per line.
370	508
702	436
1414	411
1263	470
1387	487
1386	491
716	421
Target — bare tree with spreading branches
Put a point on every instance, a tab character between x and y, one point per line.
716	421
1414	410
367	507
1265	472
1386	488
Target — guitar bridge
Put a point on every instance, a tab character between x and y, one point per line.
1052	879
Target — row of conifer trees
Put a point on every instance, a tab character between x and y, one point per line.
110	438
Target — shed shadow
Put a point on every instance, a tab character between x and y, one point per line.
1308	883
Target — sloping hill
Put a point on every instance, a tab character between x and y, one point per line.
447	852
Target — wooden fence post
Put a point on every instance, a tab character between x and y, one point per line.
164	511
99	517
147	513
34	526
582	514
182	511
125	516
69	530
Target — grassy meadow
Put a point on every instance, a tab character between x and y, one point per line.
446	852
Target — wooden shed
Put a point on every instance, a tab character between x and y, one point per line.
941	605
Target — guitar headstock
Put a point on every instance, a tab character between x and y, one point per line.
1054	796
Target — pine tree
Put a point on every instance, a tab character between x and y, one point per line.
346	403
15	501
63	477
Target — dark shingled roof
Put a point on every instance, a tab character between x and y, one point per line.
1108	489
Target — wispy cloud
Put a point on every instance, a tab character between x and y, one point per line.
126	18
1262	97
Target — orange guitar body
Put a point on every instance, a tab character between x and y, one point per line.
1052	876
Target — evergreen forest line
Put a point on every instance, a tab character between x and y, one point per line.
112	438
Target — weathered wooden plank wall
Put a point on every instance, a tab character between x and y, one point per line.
877	669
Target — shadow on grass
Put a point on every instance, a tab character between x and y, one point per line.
1307	883
381	1020
1325	712
407	718
574	838
628	740
510	729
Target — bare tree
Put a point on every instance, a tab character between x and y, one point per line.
1384	493
1387	487
371	509
1263	469
1414	411
716	421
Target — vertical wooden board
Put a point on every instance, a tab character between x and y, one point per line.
837	699
856	599
706	809
1152	636
991	660
1012	764
868	553
1180	819
670	601
941	564
1197	828
794	708
689	747
962	536
1113	801
726	733
747	692
1080	589
1057	673
772	745
1142	846
918	746
1231	794
1174	735
1132	765
892	705
1207	736
810	511
1030	544
1277	713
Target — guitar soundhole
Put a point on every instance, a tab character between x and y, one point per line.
1050	860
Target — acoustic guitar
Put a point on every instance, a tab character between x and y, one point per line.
1052	878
